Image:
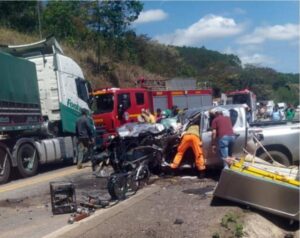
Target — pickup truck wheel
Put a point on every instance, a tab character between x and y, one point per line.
5	166
278	156
27	159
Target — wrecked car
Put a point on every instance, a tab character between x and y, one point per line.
281	140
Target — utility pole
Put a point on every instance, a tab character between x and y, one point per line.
39	18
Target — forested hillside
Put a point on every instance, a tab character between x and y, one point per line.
98	36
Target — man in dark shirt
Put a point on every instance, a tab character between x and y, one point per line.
223	136
84	135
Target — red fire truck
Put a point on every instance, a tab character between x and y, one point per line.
116	106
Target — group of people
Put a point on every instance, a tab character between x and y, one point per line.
277	114
288	113
147	117
222	138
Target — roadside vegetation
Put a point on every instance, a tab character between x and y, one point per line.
100	37
231	226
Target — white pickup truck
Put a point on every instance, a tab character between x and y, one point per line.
280	139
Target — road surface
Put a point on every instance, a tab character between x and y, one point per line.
176	206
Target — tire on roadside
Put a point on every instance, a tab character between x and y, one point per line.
27	160
117	187
278	156
5	166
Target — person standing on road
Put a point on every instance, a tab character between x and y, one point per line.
276	114
223	136
290	113
84	135
190	139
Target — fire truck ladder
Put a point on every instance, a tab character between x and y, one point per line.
153	84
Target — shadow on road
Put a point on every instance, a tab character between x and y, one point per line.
42	169
281	222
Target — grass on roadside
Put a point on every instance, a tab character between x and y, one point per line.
232	226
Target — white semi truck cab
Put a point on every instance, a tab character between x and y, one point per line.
62	93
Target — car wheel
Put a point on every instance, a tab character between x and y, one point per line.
278	156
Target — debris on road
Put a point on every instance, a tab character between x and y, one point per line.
178	221
63	197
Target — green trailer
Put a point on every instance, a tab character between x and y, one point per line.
19	95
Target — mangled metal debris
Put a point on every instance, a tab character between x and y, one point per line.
270	188
63	197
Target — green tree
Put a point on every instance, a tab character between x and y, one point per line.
19	15
110	20
65	20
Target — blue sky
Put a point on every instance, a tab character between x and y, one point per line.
263	33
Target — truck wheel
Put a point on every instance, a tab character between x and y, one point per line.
27	159
5	166
278	156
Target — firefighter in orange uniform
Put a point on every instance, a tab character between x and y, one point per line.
190	138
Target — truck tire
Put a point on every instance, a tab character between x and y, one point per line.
278	156
5	166
27	159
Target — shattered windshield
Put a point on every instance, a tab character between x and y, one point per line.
103	103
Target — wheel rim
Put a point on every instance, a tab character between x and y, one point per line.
120	187
3	161
28	156
133	184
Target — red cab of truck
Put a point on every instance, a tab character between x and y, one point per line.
113	107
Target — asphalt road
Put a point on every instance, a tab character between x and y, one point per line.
176	206
25	207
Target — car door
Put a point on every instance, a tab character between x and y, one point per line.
239	123
238	120
211	157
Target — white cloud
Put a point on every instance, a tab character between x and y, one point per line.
208	27
276	32
257	59
151	16
239	11
249	55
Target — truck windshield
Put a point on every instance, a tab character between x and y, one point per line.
103	103
240	99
